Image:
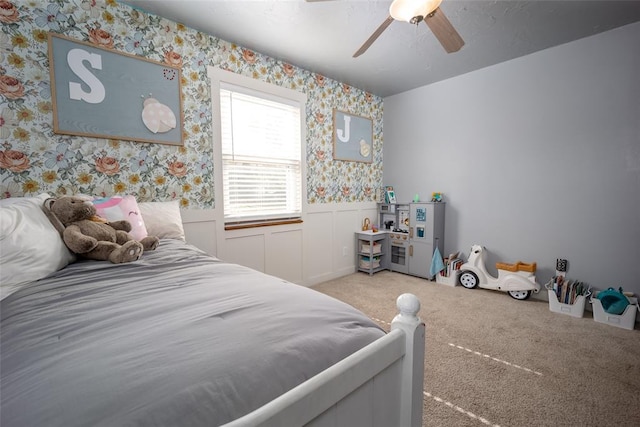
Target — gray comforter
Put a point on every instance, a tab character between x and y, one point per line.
175	339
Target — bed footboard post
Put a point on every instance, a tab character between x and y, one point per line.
411	398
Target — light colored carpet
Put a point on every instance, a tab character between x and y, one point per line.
492	360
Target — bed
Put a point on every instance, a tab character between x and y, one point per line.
182	338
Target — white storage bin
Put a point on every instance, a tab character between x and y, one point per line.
626	320
575	310
377	248
451	280
365	262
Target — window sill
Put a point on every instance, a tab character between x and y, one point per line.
240	226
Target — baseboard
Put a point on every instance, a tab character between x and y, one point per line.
324	277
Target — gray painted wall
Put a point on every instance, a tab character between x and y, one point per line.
538	158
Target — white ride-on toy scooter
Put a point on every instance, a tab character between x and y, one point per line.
518	279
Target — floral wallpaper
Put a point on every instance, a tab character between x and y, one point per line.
33	159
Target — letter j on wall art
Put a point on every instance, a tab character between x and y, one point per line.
107	94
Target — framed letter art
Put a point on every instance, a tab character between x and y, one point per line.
352	137
102	93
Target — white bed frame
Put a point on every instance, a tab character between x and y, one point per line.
380	385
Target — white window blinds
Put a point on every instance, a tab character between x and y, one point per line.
261	155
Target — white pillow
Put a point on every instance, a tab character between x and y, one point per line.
30	246
162	219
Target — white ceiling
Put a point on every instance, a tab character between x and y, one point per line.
321	36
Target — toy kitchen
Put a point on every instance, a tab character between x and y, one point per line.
413	230
395	221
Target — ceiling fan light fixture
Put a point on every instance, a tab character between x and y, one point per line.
412	11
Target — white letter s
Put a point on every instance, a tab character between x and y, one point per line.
75	59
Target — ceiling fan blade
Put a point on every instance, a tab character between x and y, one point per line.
374	36
444	31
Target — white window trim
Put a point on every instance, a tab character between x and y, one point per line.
218	76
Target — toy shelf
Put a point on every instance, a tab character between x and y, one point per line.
371	251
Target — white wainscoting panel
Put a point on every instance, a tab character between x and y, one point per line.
318	247
321	248
246	250
200	229
283	255
346	223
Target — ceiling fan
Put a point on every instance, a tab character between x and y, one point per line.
414	11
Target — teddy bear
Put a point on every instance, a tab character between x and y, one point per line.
91	236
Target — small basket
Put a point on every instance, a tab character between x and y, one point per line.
626	320
575	310
575	304
366	263
377	248
451	280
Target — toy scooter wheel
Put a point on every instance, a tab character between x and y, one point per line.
468	279
520	295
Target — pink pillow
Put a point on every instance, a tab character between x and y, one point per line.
116	208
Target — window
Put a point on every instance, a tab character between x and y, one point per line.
261	143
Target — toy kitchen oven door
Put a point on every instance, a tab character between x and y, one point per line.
399	242
399	248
